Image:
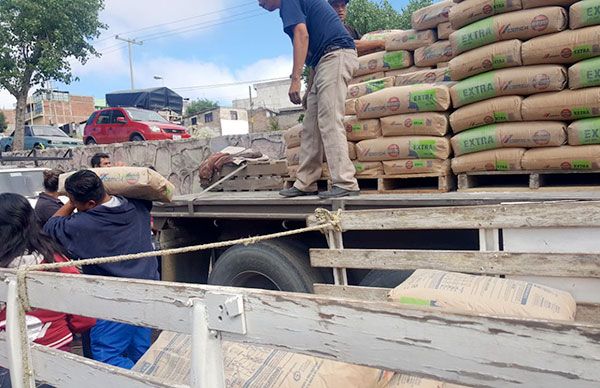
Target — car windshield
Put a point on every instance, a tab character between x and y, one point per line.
26	183
145	115
39	130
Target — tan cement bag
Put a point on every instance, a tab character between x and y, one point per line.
422	124
507	159
431	16
403	147
444	30
403	99
586	157
564	47
412	69
292	136
584	13
410	40
364	88
491	57
406	381
130	182
565	105
352	151
383	61
440	51
521	25
350	108
292	155
469	12
367	77
494	110
357	130
325	172
417	166
585	74
485	295
584	132
379	35
510	135
544	3
368	169
521	81
442	65
429	76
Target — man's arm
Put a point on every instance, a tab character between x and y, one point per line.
369	46
300	53
65	211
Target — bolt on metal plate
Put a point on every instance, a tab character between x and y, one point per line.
226	313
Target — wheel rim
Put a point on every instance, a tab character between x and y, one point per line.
254	279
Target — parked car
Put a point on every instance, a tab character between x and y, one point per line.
29	182
41	137
118	125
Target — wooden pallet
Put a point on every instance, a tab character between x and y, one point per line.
528	180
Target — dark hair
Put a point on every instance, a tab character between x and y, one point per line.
20	232
97	158
85	186
51	180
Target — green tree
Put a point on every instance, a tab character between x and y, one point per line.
200	105
3	124
38	39
368	16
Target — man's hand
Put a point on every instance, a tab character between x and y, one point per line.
295	91
65	211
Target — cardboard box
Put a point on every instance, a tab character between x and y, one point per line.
468	12
440	51
357	130
367	77
425	124
510	135
584	132
491	57
403	147
522	81
292	136
416	166
444	30
431	16
568	46
586	157
412	69
544	3
350	108
521	25
410	39
494	110
429	76
565	105
403	99
585	74
368	169
364	88
383	61
584	13
506	159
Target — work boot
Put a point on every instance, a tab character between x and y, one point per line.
294	192
338	192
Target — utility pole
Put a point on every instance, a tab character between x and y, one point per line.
129	43
251	110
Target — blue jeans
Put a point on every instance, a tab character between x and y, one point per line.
119	344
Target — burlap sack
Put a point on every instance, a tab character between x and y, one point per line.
544	3
521	25
292	136
417	166
367	77
469	12
586	157
568	46
584	132
565	105
383	61
423	124
429	76
444	30
379	35
292	155
406	381
585	74
412	69
584	13
431	16
410	40
510	135
494	110
440	51
364	88
403	147
403	99
368	169
357	130
507	159
522	81
491	57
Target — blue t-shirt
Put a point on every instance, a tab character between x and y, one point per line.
324	26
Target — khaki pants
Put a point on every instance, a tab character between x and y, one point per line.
323	124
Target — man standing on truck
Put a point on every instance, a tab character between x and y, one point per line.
362	46
320	41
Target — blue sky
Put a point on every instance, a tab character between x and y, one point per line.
189	43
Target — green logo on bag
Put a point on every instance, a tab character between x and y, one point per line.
583	51
423	101
476	35
422	149
500	116
375	86
502	165
393	60
357	127
582	165
480	87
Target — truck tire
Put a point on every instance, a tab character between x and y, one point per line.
271	265
384	278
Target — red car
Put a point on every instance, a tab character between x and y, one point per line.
119	125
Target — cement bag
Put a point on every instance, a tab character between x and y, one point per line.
406	381
584	13
292	171
444	30
410	40
585	74
544	3
130	182
510	135
357	130
521	25
565	105
352	150
469	12
484	294
431	16
292	136
417	166
427	124
521	81
442	65
364	88
584	132
403	99
292	155
440	51
379	35
585	157
325	172
403	147
350	108
507	159
564	47
491	57
412	69
383	61
494	110
430	76
367	77
368	169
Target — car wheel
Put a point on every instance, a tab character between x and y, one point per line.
39	146
90	141
137	137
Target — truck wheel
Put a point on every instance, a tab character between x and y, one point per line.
271	265
385	279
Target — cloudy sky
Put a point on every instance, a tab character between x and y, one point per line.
191	44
